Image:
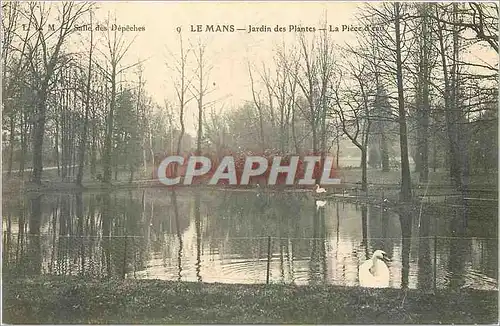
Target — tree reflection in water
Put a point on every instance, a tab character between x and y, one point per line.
173	197
317	262
364	230
425	277
128	233
405	218
34	249
197	221
457	250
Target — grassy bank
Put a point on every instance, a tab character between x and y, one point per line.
71	300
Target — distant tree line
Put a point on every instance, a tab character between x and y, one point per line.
415	83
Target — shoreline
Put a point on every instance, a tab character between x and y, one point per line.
386	195
54	186
59	299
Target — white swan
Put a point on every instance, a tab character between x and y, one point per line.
374	272
319	190
320	203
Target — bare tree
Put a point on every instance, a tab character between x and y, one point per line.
326	65
83	137
422	95
201	91
352	107
258	104
291	68
285	93
141	115
44	57
403	136
11	68
181	85
451	86
481	18
216	129
117	47
270	86
306	79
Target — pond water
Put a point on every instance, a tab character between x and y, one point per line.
223	236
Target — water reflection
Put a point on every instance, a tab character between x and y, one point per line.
222	237
405	220
197	221
33	246
364	228
179	235
458	251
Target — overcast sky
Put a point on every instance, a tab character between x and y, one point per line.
227	53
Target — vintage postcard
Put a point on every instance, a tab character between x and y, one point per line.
276	162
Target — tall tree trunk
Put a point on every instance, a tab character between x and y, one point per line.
200	102
108	141
69	15
282	129
56	136
93	154
83	139
12	125
322	117
140	117
449	101
258	105
182	102
337	152
261	126
314	131
151	150
73	133
200	126
24	144
424	107
403	138
364	180
64	133
434	153
294	134
182	131
458	118
39	132
364	156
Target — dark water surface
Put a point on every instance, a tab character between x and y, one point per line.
222	236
